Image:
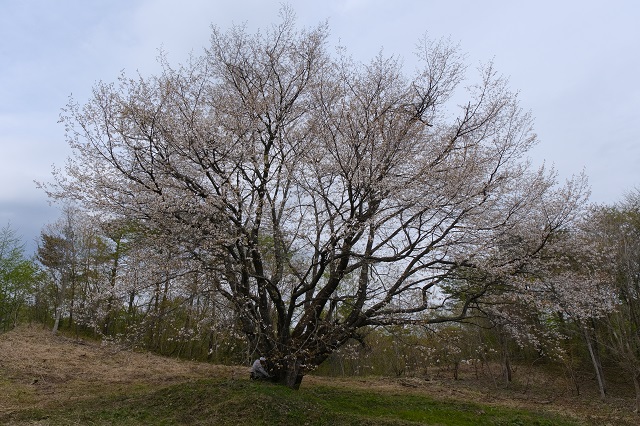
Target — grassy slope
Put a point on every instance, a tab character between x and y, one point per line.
49	380
215	402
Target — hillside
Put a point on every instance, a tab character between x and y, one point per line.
57	380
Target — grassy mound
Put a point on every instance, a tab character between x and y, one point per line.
47	380
215	402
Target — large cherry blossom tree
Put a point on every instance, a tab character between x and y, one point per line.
325	195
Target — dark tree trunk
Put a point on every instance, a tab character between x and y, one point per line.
290	374
507	371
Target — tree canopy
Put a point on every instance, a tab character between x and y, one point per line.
322	195
17	278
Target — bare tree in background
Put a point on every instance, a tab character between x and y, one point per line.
72	255
327	195
615	233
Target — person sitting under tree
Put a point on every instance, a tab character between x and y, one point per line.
258	369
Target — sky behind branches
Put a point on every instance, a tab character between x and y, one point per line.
575	64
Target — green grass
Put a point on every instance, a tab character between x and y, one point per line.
227	402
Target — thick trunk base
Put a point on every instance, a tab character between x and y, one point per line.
290	375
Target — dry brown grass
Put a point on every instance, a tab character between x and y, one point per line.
543	392
39	370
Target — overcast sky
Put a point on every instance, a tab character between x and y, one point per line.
576	64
